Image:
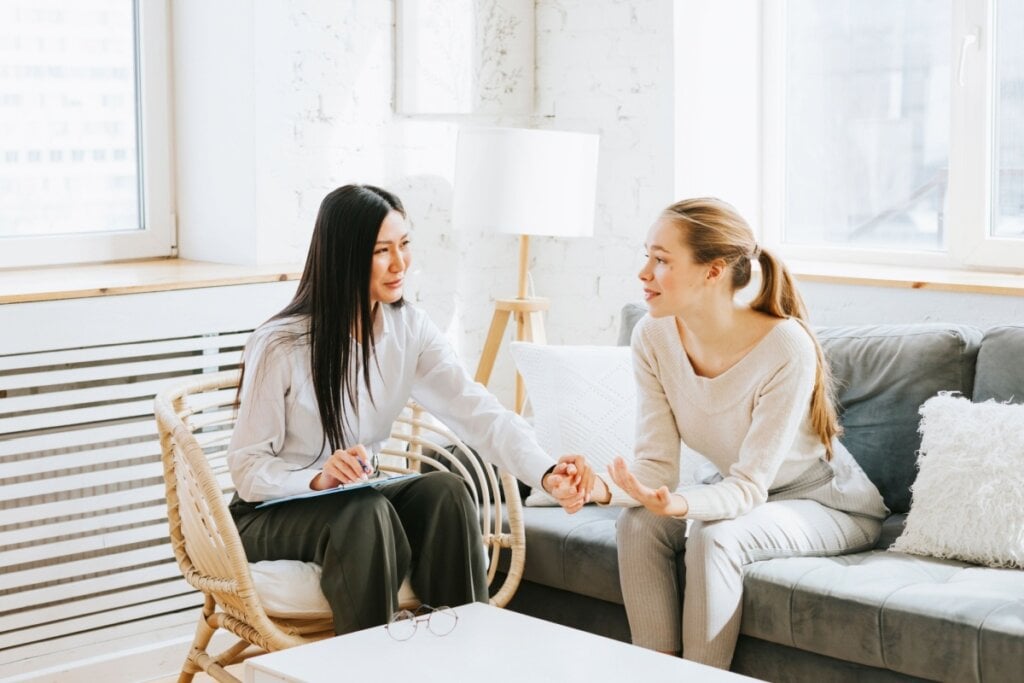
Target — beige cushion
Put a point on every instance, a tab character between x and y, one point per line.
290	589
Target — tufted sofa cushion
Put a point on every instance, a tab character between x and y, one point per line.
631	314
883	375
576	552
937	619
1000	373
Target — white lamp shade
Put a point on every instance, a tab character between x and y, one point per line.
526	182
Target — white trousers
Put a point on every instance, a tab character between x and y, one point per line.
715	554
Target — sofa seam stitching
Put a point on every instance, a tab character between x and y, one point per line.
565	544
981	627
881	633
789	600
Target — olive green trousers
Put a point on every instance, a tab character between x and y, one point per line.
368	540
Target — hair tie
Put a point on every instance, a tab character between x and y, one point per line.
756	254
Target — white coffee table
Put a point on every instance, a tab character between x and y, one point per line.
489	645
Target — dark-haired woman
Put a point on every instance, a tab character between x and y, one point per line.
746	386
324	380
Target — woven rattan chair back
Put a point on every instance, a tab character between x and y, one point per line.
195	419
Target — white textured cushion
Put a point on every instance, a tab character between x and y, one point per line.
969	492
583	400
290	589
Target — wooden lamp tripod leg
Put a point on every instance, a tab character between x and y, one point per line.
497	330
529	312
529	315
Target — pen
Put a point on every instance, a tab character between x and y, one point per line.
366	468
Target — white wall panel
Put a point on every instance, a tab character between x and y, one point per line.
83	531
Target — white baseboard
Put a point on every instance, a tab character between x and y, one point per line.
134	658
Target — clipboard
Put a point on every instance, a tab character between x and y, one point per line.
376	482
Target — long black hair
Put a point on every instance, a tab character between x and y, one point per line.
334	295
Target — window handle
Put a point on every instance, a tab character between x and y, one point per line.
968	40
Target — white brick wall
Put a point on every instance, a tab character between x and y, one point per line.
605	67
321	115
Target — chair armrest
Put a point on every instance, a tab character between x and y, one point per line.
419	438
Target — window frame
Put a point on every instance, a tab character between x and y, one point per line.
157	236
969	243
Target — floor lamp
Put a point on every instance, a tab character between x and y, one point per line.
523	182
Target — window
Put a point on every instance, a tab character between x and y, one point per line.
85	154
892	131
1008	190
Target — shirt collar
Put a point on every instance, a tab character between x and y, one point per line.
381	322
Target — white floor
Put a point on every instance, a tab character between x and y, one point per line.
146	655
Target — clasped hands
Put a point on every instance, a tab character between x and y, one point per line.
570	482
574	483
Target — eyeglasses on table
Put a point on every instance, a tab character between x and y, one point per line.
439	620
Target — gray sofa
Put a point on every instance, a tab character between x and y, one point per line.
876	615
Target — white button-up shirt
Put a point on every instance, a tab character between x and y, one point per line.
278	443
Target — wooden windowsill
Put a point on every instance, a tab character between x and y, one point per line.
935	279
160	275
132	277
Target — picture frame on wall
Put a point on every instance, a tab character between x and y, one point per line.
464	57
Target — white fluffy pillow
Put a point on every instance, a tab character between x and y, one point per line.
583	400
969	491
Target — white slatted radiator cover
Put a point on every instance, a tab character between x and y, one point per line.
83	526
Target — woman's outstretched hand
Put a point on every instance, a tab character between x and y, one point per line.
343	467
660	501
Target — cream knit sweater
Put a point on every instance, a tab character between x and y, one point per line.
752	422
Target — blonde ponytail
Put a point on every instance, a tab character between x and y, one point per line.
779	297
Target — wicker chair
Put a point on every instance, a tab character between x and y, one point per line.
195	419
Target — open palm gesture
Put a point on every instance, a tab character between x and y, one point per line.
659	501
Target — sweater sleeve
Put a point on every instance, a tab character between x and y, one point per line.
780	408
446	390
259	434
656	450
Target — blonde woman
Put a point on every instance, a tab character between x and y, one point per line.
746	386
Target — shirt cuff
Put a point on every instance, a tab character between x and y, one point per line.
289	483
